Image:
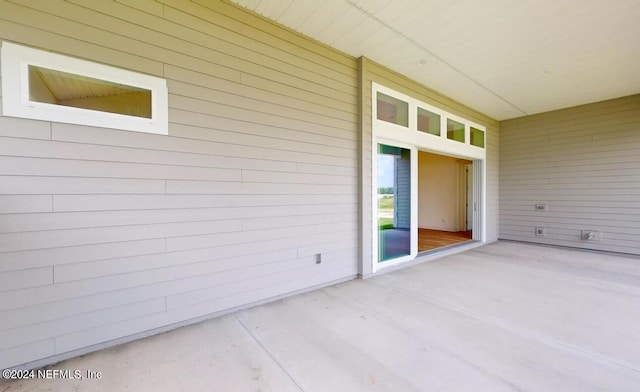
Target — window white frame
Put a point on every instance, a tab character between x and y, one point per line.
414	206
424	140
15	62
410	137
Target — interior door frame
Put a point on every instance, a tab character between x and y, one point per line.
468	194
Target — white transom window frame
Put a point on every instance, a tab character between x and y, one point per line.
15	62
410	137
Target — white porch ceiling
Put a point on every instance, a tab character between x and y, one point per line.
504	58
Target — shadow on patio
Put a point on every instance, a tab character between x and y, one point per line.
503	317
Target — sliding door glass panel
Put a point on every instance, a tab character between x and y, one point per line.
477	137
394	202
455	130
428	122
392	110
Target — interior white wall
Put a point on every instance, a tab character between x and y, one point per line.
439	196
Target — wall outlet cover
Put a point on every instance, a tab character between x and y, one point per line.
591	235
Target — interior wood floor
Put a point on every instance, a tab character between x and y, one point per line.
431	239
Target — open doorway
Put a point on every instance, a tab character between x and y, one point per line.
450	206
445	201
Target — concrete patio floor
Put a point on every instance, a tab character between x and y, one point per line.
503	317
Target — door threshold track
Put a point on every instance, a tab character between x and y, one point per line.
443	248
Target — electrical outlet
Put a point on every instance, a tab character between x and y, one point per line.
591	235
318	258
540	231
541	207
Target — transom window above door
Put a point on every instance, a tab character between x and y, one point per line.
392	110
405	118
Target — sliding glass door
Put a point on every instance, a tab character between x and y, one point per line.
402	125
394	202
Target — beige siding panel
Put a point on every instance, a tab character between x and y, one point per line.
221	90
258	275
78	254
10	223
33	185
27	353
328	233
342	208
345	247
272	55
26	278
72	28
24	204
252	25
198	45
223	258
250	32
175	276
70	133
341	147
148	202
69	46
40	331
310	94
289	221
29	129
260	188
230	130
206	100
72	168
98	227
89	152
280	118
294	45
625	227
242	294
275	177
186	123
12	242
329	168
582	162
211	293
78	305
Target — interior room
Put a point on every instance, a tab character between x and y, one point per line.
445	201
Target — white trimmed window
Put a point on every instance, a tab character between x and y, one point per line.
42	85
406	119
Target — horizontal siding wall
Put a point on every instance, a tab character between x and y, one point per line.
106	234
584	163
373	72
